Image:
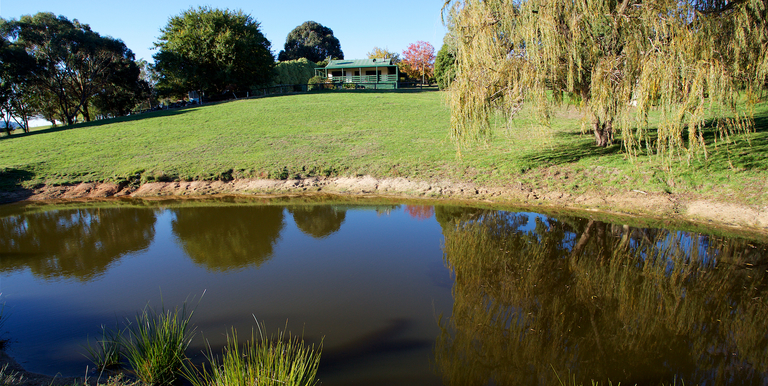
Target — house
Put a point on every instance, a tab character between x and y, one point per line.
364	73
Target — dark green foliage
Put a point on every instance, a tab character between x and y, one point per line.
16	70
126	90
313	41
73	64
445	67
213	51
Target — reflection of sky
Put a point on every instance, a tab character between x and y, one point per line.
531	224
691	246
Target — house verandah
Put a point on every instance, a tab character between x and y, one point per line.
363	73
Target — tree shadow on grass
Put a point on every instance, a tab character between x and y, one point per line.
571	152
740	153
11	180
107	121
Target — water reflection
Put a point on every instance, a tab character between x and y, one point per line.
228	238
77	244
537	297
318	221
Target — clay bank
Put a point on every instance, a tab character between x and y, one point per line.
704	210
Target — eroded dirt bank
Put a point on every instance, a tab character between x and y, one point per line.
634	202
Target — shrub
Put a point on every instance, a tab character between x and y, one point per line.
299	71
314	81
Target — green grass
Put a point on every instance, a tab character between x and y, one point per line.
279	360
9	377
155	343
383	134
106	353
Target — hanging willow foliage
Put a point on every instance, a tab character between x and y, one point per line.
691	60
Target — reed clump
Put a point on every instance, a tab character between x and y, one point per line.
275	360
154	344
8	377
106	352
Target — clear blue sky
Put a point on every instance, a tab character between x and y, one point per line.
359	25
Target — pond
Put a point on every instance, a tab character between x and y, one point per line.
398	293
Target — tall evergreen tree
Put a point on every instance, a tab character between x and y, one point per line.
313	41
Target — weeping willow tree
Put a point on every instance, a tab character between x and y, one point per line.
618	60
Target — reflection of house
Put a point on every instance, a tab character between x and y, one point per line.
367	73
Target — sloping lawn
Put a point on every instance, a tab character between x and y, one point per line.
383	134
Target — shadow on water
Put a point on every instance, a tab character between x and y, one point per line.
387	340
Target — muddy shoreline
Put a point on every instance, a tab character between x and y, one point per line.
705	211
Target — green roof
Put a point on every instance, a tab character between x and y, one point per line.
357	63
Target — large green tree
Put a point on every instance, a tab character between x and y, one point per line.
212	51
76	63
126	90
617	59
313	41
17	69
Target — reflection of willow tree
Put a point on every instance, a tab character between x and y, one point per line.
224	238
318	221
73	243
600	301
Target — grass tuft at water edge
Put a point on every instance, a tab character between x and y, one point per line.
275	360
154	344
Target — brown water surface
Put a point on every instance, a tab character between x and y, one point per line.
400	294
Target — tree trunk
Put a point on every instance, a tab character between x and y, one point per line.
86	113
603	133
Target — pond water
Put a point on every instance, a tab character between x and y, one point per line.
398	293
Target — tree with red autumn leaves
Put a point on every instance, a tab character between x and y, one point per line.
419	60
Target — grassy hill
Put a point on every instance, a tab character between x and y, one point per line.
383	134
